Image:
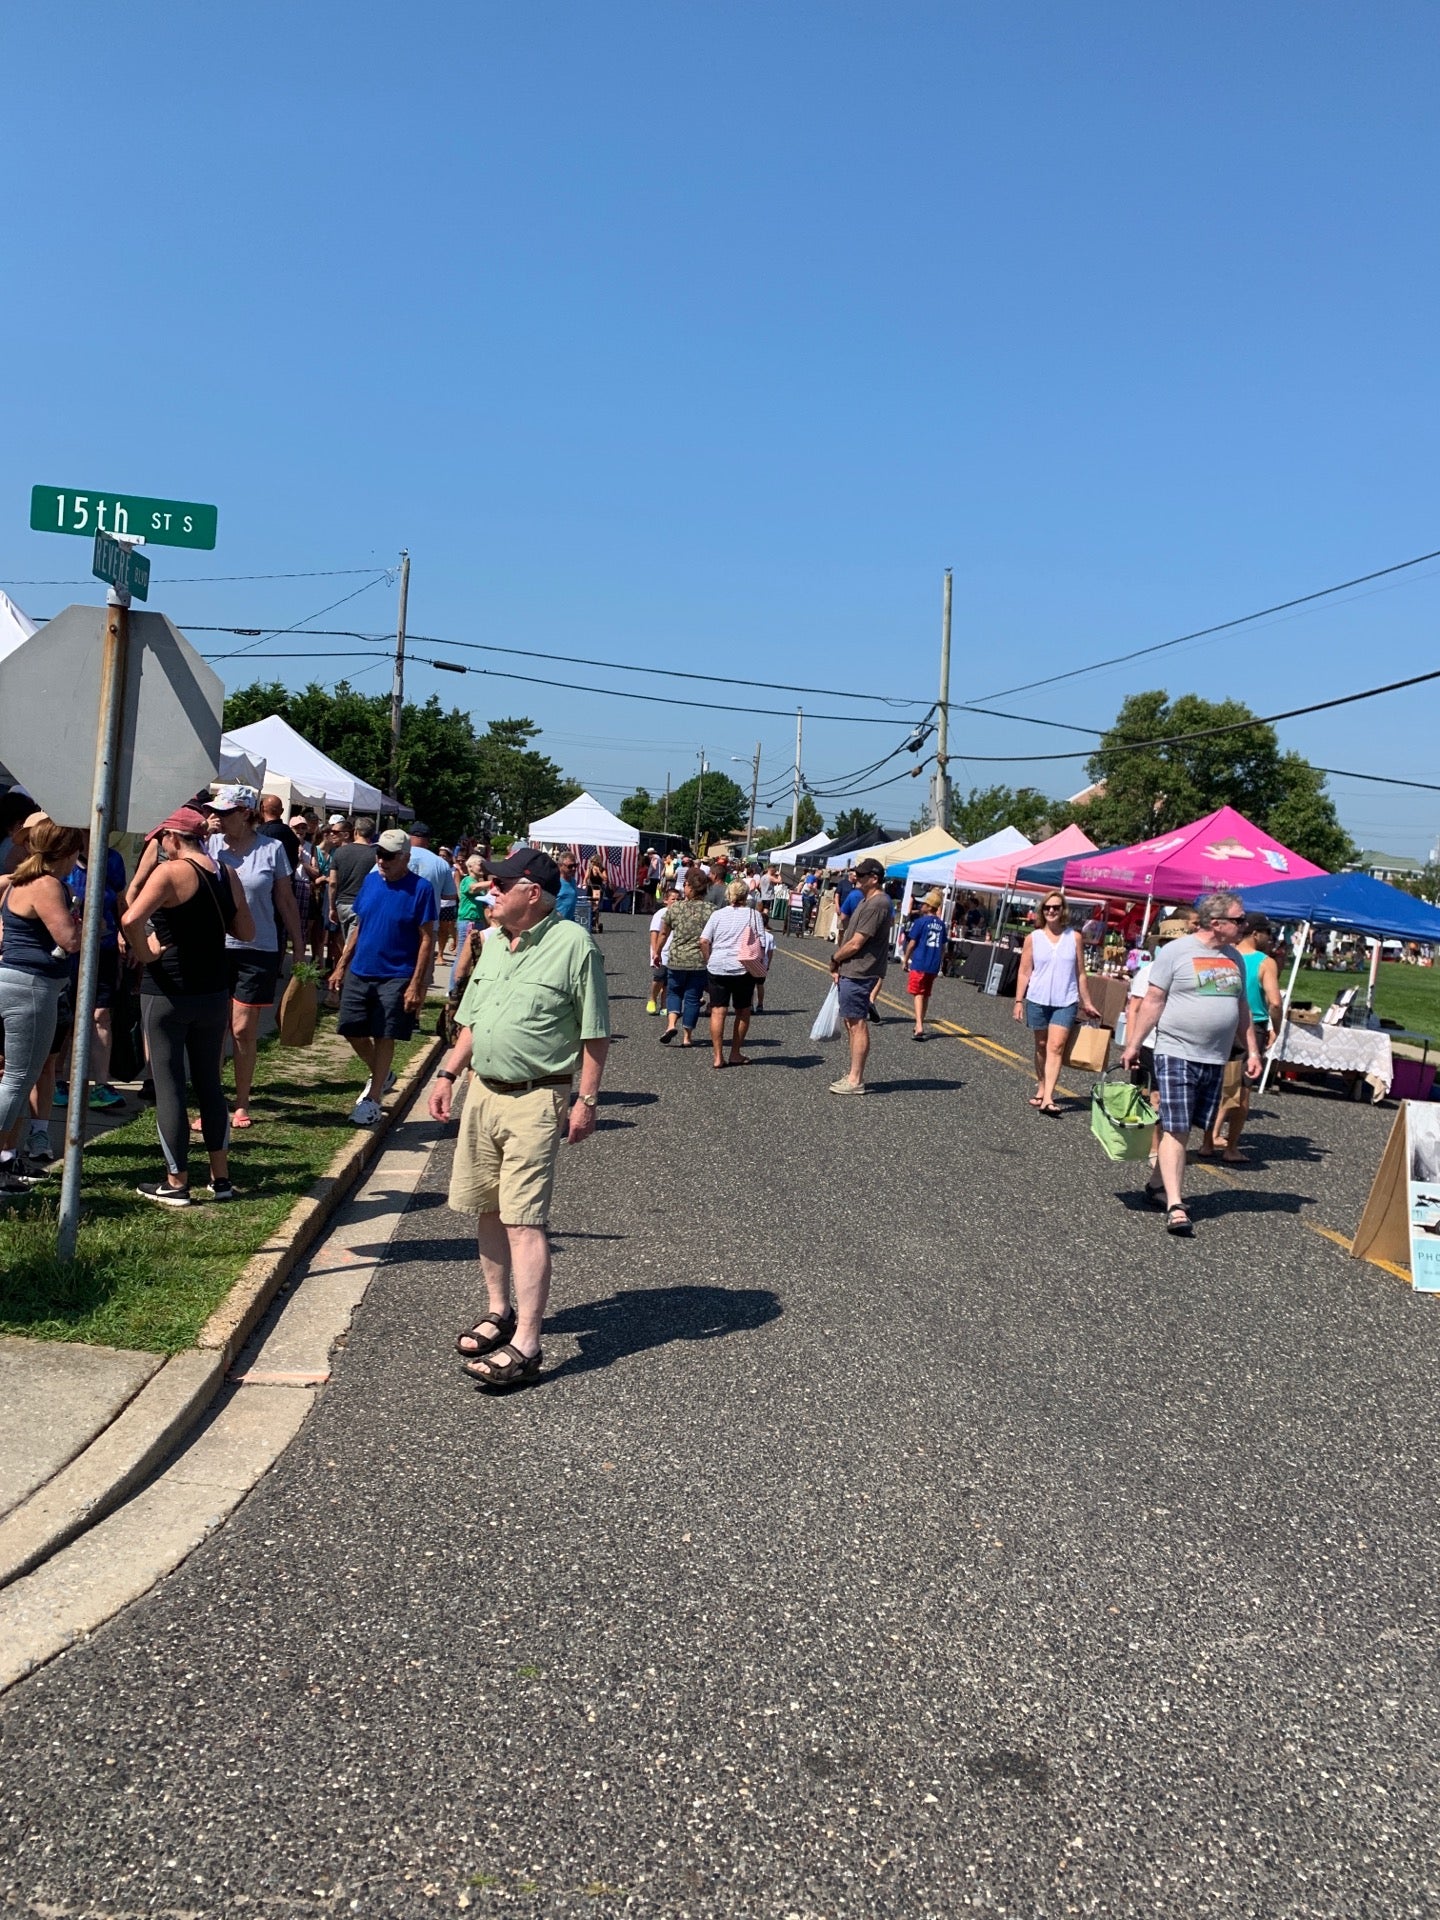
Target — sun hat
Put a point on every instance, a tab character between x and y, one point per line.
934	898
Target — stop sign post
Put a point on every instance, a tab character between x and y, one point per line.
109	747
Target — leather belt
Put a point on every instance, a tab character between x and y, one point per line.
526	1086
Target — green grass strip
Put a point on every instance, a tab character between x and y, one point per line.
147	1277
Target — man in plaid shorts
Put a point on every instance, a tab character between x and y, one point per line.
1197	1005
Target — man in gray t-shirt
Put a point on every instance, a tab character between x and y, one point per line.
1197	1005
859	966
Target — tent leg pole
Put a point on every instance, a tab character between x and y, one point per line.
1279	1040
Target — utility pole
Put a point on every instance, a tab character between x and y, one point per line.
699	796
666	828
754	796
795	803
397	689
940	785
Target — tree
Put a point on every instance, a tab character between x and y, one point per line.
451	778
517	784
1422	886
636	811
723	807
856	820
1151	789
807	818
1305	820
984	810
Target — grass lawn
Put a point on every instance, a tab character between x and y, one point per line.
1410	995
149	1278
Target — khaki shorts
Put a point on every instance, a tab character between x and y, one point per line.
505	1155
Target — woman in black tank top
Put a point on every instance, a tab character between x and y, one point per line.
190	905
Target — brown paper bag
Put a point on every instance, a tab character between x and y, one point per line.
298	1009
1088	1048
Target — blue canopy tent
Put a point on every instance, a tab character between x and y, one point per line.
1353	901
1051	873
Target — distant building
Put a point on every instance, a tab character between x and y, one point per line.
1386	866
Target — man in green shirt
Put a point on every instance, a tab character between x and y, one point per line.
535	1013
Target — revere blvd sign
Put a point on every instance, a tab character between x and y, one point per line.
160	523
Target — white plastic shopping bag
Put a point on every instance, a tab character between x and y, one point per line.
827	1021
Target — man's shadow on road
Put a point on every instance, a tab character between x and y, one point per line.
625	1323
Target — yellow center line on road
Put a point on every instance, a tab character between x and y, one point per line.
989	1049
1006	1057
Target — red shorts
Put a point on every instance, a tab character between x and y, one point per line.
919	983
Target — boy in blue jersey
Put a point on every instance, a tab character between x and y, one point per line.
924	955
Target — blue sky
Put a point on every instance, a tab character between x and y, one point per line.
708	336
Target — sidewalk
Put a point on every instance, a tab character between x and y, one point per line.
82	1425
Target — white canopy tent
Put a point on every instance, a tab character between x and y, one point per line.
285	752
239	766
583	822
586	827
15	628
789	856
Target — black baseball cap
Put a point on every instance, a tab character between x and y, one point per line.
870	866
527	863
419	829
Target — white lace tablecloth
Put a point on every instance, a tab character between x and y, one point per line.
1341	1050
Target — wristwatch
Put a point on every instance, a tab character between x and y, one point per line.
445	1074
591	1100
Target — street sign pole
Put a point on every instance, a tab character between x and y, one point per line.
107	754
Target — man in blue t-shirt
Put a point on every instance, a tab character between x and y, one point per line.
384	972
925	955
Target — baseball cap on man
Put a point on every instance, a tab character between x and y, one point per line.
870	866
419	829
336	820
394	840
527	863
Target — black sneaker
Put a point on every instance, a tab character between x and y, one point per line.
222	1190
164	1195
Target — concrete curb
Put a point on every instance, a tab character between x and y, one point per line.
173	1400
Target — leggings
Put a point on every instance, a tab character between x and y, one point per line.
27	1010
192	1028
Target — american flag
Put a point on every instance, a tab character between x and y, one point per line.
620	865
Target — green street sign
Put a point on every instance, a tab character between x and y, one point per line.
160	523
125	569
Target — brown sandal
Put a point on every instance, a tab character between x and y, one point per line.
505	1367
483	1343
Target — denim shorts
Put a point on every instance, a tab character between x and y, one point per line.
1038	1016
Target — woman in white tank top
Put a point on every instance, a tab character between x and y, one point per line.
1050	988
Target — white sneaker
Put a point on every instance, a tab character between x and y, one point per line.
365	1113
389	1086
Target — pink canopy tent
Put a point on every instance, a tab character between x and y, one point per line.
1221	851
998	875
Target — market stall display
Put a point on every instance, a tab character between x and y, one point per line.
1353	1052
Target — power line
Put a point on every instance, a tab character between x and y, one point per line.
210	579
1206	733
1380	779
1225	626
271	633
568	686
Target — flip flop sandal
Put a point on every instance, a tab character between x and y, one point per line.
1177	1220
483	1343
505	1367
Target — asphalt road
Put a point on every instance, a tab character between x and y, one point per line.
904	1526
